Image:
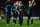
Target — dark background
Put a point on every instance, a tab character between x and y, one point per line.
36	8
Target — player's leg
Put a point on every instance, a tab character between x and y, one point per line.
32	17
20	19
8	14
28	19
14	19
8	19
32	21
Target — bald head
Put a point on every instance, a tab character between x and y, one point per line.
8	0
20	2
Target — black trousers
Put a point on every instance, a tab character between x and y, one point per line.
20	19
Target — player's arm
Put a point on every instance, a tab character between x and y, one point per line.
25	9
6	2
30	4
33	2
11	11
17	11
6	8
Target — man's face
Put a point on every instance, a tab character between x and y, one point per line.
20	2
17	3
29	2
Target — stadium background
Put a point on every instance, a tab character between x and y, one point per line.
36	8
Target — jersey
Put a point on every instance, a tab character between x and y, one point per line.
30	10
14	7
8	7
21	9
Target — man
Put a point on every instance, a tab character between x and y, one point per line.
30	11
8	11
21	9
14	13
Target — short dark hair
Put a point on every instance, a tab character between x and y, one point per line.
16	1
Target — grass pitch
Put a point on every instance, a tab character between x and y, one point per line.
36	23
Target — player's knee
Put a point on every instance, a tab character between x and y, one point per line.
8	18
28	19
14	18
32	17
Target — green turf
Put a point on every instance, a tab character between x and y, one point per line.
35	22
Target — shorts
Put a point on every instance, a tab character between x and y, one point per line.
8	15
15	15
